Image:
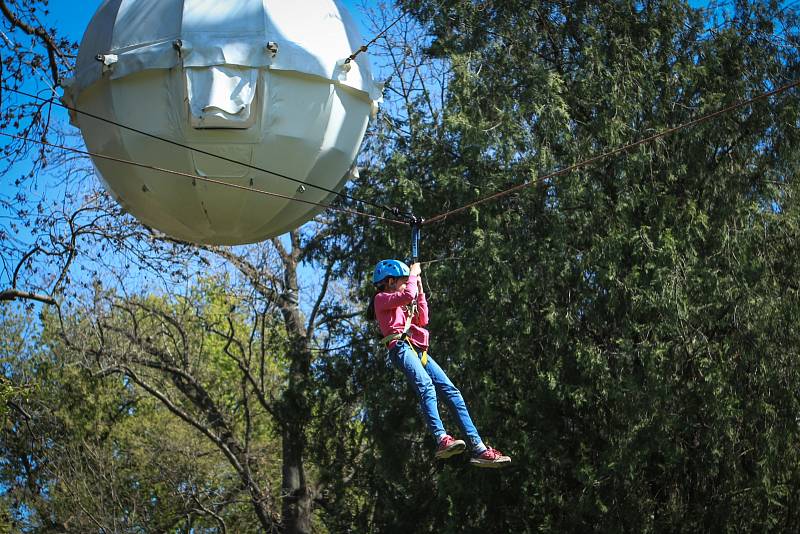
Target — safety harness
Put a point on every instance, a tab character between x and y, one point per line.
403	337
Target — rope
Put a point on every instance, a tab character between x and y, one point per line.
432	220
364	48
614	152
198	150
195	177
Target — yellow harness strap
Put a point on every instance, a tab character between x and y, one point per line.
403	337
412	310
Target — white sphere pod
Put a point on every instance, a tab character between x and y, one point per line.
257	81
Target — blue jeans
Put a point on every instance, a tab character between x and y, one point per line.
426	381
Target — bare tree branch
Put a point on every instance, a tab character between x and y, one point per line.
268	519
320	297
52	47
13	294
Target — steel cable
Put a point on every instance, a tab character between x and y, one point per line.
584	163
198	150
195	177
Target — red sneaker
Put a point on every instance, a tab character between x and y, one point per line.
449	447
490	458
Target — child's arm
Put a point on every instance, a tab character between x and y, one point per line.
398	298
421	319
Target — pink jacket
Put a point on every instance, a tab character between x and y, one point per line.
392	315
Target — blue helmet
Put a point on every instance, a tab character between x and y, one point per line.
389	268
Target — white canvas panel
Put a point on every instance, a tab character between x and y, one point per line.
221	96
143	22
314	37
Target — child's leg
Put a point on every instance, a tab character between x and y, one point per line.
404	357
456	403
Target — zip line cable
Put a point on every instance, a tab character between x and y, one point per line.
432	220
199	150
195	177
584	163
364	48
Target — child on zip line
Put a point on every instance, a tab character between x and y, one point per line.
401	310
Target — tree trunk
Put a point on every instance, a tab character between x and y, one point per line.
295	416
295	410
296	508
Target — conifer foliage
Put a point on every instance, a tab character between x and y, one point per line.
627	332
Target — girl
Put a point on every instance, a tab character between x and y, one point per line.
402	313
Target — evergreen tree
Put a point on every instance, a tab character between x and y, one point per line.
627	332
